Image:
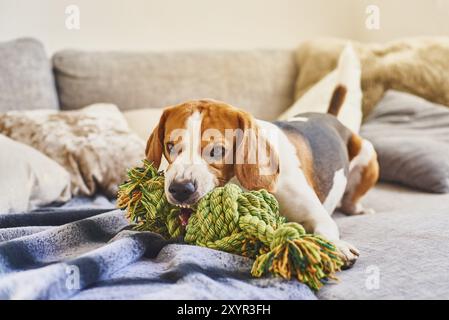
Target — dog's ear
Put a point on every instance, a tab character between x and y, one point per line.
155	143
256	163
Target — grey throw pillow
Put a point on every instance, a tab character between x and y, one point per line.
411	137
26	78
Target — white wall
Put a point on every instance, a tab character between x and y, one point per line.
175	24
229	24
403	18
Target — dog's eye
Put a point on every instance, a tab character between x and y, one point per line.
217	152
169	146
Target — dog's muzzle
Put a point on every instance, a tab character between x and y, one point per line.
184	193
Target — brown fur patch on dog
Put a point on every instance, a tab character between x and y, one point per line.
369	177
305	156
354	146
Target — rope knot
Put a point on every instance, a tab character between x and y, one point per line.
287	231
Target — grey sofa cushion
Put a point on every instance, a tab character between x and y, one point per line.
26	78
261	82
411	137
403	247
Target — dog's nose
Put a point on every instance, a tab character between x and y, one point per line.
181	191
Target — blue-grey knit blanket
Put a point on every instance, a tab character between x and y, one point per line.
85	250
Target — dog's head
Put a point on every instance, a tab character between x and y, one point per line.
206	143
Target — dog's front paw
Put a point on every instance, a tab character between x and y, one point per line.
348	253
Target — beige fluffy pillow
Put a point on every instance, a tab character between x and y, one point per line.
143	121
416	65
29	179
94	144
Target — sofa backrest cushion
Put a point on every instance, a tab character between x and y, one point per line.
26	78
259	81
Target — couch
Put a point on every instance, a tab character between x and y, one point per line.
404	245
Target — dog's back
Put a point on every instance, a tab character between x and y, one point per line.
327	141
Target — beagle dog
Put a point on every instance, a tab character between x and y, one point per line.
312	163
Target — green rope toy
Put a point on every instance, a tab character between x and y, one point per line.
231	220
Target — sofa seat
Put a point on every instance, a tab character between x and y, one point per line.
404	245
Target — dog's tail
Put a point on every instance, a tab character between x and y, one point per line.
347	63
338	97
